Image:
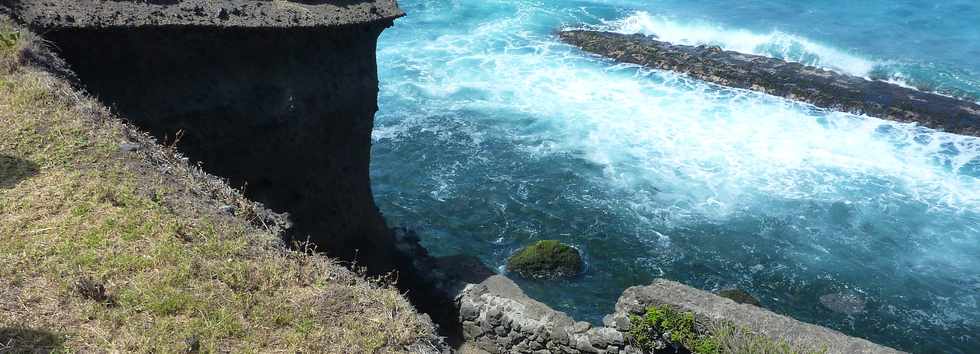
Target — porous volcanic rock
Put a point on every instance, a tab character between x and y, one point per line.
819	87
49	14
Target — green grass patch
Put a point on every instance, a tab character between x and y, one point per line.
681	328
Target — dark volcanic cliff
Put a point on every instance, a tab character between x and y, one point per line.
278	97
283	113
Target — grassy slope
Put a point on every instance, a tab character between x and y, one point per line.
103	249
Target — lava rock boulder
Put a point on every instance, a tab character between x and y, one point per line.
548	259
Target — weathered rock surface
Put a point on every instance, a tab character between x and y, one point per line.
227	13
711	307
499	318
822	88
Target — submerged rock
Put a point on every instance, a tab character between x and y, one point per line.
843	302
548	259
739	296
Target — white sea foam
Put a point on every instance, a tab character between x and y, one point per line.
711	148
774	44
681	151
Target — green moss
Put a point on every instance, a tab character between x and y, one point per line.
8	38
681	327
546	259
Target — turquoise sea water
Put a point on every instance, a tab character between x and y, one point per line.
491	134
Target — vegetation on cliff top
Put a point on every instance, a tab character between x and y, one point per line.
663	324
546	259
111	242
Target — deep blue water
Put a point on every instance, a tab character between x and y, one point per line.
491	135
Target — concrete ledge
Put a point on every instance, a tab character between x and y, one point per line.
57	14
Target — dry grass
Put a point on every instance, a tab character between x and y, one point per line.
103	249
733	339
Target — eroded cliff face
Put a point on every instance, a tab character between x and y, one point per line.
282	105
287	114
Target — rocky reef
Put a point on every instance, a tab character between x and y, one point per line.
499	318
822	88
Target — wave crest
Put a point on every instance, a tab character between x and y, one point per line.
774	44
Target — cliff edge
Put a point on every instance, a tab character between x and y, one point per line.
115	242
59	14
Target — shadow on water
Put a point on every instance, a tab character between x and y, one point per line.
27	340
14	169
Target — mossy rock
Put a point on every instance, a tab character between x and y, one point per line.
739	296
548	259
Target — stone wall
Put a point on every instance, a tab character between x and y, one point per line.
498	318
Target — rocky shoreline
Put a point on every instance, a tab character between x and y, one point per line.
819	87
499	318
312	114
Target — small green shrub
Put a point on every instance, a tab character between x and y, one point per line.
713	338
680	326
8	39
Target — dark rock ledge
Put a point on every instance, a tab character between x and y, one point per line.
822	88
